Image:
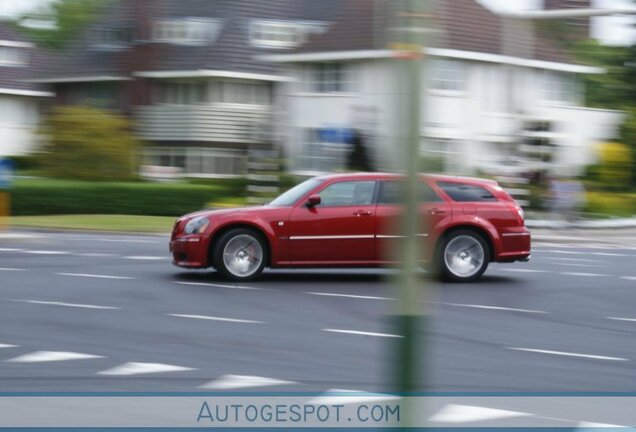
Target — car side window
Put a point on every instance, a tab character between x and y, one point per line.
393	193
348	194
462	192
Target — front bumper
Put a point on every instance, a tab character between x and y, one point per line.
189	251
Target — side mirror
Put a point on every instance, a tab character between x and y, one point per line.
313	200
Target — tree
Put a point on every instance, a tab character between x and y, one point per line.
65	19
89	144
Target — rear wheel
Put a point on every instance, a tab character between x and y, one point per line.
463	256
240	254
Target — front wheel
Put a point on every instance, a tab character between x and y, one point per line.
463	256
240	255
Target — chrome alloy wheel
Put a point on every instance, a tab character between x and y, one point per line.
243	255
464	256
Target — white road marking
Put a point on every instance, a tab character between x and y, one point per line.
10	250
51	356
569	354
45	252
465	413
85	275
123	240
628	277
577	259
343	397
580	265
522	270
228	382
362	333
8	346
583	274
609	254
96	255
72	305
348	296
584	425
212	318
11	269
621	319
499	308
146	258
220	286
134	368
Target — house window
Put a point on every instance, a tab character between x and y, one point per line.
275	34
109	38
246	93
11	56
182	93
559	87
446	75
496	89
197	162
318	155
328	78
187	31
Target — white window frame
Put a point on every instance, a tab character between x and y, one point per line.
276	34
447	76
559	88
186	31
19	59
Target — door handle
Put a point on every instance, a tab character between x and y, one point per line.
436	211
362	213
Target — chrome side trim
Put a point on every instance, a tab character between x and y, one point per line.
515	234
331	237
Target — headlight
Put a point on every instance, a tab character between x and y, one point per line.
197	225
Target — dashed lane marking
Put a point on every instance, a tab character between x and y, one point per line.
8	346
521	270
362	333
71	305
134	368
583	274
343	397
96	276
11	269
621	319
213	285
45	252
498	308
453	413
348	296
631	278
231	382
51	356
146	258
214	318
569	354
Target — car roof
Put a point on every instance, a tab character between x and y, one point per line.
389	176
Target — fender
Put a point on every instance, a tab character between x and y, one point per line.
217	225
478	223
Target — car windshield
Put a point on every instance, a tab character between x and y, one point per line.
294	194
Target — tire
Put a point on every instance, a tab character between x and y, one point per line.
240	255
463	256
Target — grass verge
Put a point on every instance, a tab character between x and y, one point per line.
123	223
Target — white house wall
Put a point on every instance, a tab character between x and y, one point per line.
18	125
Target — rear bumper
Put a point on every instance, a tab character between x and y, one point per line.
515	245
189	252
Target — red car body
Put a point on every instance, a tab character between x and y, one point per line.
360	234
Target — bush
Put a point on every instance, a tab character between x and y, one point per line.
89	144
610	204
615	167
54	197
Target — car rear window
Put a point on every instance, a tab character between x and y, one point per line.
462	192
393	193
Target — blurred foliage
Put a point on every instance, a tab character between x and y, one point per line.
429	164
610	204
69	17
615	89
614	168
26	163
59	197
89	144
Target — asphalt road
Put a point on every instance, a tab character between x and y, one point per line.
100	312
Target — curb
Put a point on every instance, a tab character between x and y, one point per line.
589	224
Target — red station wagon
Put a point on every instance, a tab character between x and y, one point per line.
352	220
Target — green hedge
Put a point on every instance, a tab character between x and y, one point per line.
34	197
610	204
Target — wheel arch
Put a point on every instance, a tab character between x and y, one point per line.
484	233
238	225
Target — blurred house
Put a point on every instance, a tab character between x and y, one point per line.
575	28
20	101
501	97
188	72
